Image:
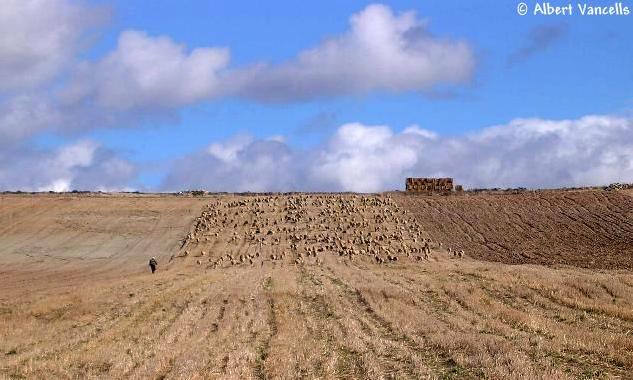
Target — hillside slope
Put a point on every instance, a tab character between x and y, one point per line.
45	236
587	228
299	286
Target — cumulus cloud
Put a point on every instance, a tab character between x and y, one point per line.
83	165
147	72
46	86
24	115
362	158
39	44
143	78
381	51
39	38
535	153
239	164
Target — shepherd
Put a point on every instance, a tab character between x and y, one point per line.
153	264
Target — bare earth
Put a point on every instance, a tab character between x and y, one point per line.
317	286
586	228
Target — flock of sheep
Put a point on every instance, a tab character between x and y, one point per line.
303	229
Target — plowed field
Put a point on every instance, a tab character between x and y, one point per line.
590	228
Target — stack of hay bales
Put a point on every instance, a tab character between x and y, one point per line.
429	185
618	186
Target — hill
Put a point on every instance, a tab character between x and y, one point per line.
299	286
585	228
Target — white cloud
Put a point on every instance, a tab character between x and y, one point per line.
591	150
57	185
239	164
46	86
143	78
80	154
381	51
278	138
39	38
362	158
147	72
39	43
24	115
229	150
536	152
83	165
416	130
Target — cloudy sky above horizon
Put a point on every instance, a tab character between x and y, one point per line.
312	96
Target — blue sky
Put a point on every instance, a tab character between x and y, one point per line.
550	68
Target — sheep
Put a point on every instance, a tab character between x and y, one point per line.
347	226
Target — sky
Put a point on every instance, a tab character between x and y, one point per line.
311	96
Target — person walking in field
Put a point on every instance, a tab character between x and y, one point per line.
153	264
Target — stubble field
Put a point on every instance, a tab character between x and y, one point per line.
314	286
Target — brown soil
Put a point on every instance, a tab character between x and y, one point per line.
586	228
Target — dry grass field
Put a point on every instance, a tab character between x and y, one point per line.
311	286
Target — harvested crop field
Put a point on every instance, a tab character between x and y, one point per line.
288	286
585	228
47	238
